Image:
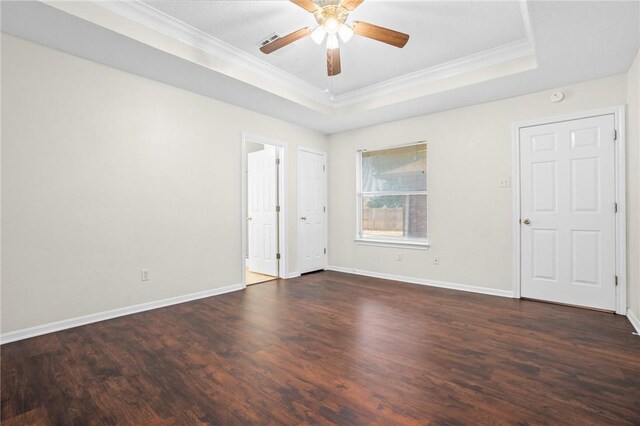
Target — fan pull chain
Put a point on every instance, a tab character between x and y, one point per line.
329	89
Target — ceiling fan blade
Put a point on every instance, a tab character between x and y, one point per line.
307	5
385	35
351	4
333	62
283	41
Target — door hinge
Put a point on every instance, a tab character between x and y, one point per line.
277	161
278	256
616	280
615	207
325	251
277	209
324	209
615	135
324	168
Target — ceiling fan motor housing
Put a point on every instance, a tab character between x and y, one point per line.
335	11
331	16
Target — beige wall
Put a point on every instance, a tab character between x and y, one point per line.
470	217
633	188
105	173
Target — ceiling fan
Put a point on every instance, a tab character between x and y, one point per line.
331	16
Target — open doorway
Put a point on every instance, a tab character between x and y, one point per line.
263	201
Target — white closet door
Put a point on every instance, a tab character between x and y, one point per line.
312	222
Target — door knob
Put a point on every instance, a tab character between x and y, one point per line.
303	218
248	218
526	221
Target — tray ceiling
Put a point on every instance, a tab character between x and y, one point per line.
460	52
441	32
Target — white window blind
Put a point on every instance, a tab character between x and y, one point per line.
392	194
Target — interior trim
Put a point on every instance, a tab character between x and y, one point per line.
52	327
486	58
424	245
633	319
422	281
151	17
618	113
146	15
283	191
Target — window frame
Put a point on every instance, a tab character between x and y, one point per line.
412	243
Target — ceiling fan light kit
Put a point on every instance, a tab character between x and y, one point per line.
331	24
331	16
332	42
345	32
318	34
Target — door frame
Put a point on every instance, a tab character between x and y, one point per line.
620	195
281	148
325	231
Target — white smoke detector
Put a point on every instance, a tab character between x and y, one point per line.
557	97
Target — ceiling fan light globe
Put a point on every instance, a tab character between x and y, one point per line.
332	42
331	25
345	32
318	35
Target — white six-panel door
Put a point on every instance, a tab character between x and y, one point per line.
568	212
262	218
311	211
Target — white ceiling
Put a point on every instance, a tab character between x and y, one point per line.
477	54
441	31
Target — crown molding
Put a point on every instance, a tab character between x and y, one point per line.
154	19
500	54
526	20
149	17
497	55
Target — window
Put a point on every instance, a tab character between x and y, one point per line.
392	195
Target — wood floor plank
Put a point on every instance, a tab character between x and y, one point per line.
29	418
331	348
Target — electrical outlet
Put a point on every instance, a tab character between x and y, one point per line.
504	182
399	258
436	260
144	275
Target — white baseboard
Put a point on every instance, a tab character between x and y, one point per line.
421	281
119	312
292	275
635	322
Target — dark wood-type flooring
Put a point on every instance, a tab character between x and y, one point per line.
332	348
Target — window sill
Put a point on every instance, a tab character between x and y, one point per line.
416	245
